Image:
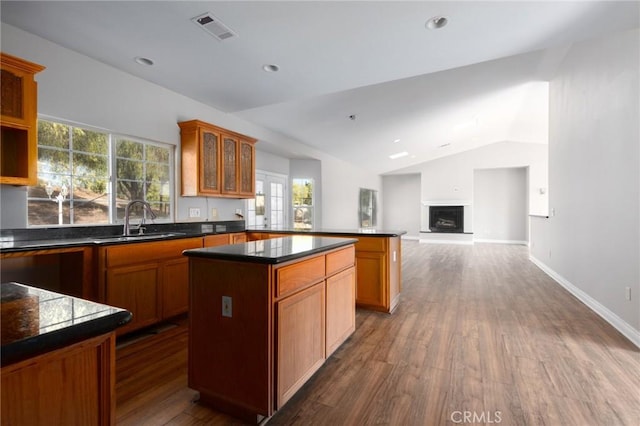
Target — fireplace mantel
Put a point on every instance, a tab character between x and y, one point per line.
446	203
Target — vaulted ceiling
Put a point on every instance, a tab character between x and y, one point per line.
358	80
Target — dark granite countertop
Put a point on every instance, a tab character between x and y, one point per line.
360	232
272	251
16	240
36	321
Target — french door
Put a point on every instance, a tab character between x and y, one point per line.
268	208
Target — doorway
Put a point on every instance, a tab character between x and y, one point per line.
267	209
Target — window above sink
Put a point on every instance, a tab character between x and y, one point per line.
87	176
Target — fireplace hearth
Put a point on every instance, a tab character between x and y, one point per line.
446	219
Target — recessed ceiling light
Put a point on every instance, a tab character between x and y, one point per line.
398	155
396	140
436	22
143	61
271	68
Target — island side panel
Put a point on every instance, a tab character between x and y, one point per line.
230	357
395	272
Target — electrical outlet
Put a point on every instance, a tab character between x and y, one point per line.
227	306
627	293
214	213
239	211
194	212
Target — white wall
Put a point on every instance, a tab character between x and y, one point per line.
450	179
500	205
402	203
77	88
592	243
341	184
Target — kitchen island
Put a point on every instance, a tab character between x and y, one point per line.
264	316
58	358
378	260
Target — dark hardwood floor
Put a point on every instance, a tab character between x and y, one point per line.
481	336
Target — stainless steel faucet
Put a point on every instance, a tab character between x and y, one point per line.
127	211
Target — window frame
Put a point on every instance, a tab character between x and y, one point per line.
111	190
310	207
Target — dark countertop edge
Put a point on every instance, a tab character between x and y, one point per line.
90	241
94	242
210	253
45	244
539	215
37	345
347	232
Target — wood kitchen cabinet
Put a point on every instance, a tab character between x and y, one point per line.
284	320
67	270
73	385
300	338
18	121
216	162
149	279
216	240
379	267
238	237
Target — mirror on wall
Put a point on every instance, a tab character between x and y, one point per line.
367	211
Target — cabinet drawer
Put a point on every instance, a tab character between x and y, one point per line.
299	275
216	240
370	244
129	254
340	259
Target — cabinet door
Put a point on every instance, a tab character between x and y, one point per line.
300	340
229	165
371	278
209	160
135	288
175	287
341	308
247	169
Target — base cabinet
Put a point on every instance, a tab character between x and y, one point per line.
150	279
135	288
74	385
379	265
283	321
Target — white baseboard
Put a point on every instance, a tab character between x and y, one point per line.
618	323
410	238
516	242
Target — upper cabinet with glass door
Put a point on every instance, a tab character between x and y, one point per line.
216	162
18	143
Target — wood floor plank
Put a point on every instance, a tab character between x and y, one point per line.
479	330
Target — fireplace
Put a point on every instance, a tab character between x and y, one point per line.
446	219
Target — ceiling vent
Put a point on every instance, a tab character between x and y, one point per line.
214	26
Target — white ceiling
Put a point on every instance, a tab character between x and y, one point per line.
479	80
